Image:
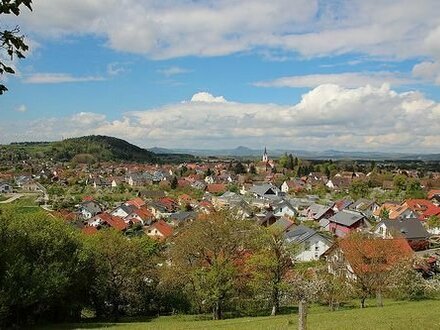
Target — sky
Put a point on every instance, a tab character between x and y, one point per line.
349	75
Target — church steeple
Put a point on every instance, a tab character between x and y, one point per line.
265	157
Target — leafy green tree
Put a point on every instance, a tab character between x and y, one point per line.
45	270
207	258
283	160
11	42
290	162
359	189
269	266
414	189
239	168
125	273
399	183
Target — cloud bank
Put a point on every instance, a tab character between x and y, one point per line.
329	116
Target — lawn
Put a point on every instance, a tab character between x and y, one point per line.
395	315
24	205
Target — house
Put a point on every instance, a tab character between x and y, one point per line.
284	208
293	186
123	210
267	219
411	229
346	221
136	202
160	230
341	204
142	215
265	191
394	211
5	188
311	244
424	208
283	224
364	205
179	218
89	209
318	212
107	220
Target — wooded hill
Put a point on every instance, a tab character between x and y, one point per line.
86	149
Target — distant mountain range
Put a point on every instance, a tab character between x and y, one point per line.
242	151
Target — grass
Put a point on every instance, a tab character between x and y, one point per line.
23	205
395	315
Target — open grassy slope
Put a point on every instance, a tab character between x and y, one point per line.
395	315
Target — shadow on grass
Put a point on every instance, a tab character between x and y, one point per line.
95	323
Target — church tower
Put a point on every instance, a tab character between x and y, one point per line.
265	157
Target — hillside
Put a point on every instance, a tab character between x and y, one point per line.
86	149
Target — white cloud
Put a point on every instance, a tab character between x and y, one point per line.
329	116
88	118
57	78
348	79
276	29
22	108
172	71
207	98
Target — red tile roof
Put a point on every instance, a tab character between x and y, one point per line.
423	207
113	221
138	202
164	228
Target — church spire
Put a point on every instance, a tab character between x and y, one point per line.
265	157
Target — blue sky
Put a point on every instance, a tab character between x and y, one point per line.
346	75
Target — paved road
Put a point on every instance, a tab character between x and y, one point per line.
13	198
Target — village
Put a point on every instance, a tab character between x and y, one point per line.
314	211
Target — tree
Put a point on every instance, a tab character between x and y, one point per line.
44	270
174	182
290	162
11	43
372	259
239	168
252	169
125	273
206	260
359	189
283	160
305	288
269	265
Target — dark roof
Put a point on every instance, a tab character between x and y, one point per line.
91	207
283	224
347	218
183	216
410	228
299	234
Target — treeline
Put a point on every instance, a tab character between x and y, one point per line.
50	272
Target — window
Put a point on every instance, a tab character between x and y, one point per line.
316	247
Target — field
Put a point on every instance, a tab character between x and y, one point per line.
394	315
